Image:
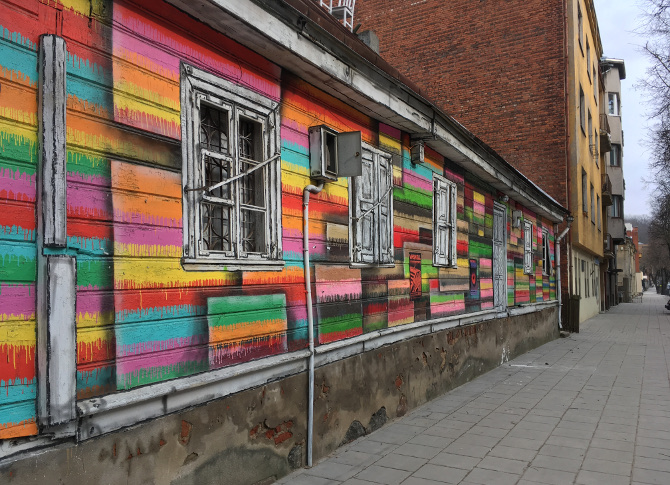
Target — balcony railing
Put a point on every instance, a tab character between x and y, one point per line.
607	190
342	10
605	137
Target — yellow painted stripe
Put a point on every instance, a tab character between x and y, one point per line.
164	273
246	331
94	319
479	197
15	333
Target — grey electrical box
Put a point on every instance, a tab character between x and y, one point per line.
333	154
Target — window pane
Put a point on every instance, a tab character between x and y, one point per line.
213	129
215	227
252	227
217	170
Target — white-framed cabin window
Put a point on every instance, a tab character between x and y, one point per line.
527	247
444	222
231	174
371	210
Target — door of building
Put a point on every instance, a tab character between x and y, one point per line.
499	256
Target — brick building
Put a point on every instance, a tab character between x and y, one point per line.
524	76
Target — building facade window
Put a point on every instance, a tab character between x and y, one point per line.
615	155
231	170
590	131
593	205
588	59
585	195
580	26
371	210
613	106
546	255
527	247
616	209
595	85
444	222
582	110
598	211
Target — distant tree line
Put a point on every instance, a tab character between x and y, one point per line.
657	85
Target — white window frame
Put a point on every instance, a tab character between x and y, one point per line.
445	222
371	210
613	107
199	87
546	254
527	247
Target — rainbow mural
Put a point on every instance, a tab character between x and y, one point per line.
142	318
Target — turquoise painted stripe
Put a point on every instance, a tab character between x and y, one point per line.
85	69
91	245
15	233
294	158
18	412
90	92
296	147
424	170
17	392
18	250
152	314
15	57
101	377
151	331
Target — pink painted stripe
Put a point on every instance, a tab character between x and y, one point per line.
411	178
148	235
181	47
390	131
17	301
17	185
337	288
82	178
87	201
164	359
93	302
293	136
479	208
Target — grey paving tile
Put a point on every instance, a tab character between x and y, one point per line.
517	442
486	477
420	481
477	439
513	453
468	450
556	463
606	466
587	477
548	476
424	439
455	461
417	450
440	474
372	446
610	455
333	470
649	452
387	476
612	444
401	462
356	481
507	465
662	465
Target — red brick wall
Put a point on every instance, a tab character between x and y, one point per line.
497	66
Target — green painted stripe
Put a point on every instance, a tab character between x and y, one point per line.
339	324
95	272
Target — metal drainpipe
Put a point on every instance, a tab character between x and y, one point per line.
558	268
310	318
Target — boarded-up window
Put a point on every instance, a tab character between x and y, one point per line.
527	247
444	222
371	207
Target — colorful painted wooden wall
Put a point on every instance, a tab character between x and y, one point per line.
142	318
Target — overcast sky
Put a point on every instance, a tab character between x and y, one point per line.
617	20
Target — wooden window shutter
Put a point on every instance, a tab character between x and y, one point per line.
528	247
364	225
385	196
441	205
453	256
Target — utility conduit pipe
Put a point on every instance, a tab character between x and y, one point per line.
557	250
313	189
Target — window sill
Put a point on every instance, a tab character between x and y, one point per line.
195	264
371	265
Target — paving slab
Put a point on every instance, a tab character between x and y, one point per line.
591	408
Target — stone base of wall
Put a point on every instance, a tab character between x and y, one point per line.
259	435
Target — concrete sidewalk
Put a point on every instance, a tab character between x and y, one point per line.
593	408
